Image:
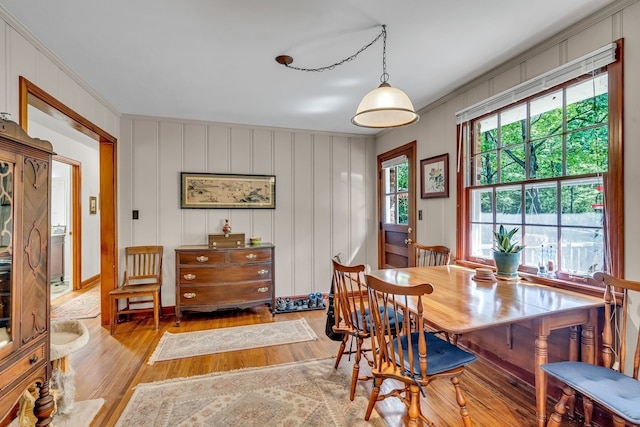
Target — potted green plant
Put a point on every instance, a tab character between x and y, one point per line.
506	253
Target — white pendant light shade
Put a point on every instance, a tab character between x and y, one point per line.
385	107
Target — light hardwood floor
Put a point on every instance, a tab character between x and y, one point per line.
110	366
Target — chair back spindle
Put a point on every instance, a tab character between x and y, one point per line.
428	256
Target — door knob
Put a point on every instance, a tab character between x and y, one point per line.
408	241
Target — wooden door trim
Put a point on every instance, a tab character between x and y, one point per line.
76	219
410	150
30	93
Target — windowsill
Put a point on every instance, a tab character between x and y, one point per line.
577	284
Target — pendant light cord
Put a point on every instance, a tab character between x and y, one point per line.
384	77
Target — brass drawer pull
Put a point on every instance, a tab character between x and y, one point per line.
262	290
252	256
202	258
263	272
34	359
189	295
189	276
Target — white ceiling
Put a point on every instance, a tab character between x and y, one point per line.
213	60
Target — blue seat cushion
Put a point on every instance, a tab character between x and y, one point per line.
441	355
615	391
390	315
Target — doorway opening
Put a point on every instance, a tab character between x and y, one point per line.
32	95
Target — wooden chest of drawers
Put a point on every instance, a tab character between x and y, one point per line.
209	279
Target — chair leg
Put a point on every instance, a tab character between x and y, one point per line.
415	419
343	346
373	398
114	314
559	410
156	311
618	422
462	402
356	367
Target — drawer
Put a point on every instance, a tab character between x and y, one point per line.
31	360
250	255
227	274
201	258
224	294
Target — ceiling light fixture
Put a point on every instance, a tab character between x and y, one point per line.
383	107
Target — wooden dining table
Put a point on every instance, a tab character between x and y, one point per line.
460	304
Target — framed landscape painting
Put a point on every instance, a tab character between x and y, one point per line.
434	173
227	191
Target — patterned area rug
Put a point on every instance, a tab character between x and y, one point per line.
309	393
199	343
84	306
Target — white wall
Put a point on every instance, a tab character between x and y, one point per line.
325	191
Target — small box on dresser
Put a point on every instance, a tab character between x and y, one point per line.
210	279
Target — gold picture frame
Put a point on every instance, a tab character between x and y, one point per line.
227	191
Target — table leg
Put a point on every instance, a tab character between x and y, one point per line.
588	338
542	331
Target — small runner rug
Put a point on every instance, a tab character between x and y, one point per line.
84	306
310	393
199	343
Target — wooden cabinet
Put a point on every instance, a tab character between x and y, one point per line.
209	279
25	175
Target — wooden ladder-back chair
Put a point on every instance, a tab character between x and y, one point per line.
606	385
413	357
141	287
427	256
351	314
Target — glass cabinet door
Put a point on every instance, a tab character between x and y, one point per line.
6	245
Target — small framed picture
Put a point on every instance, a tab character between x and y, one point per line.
93	205
434	177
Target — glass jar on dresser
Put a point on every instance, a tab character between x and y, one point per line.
210	279
25	176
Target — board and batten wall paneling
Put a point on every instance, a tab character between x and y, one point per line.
323	194
240	162
357	201
169	232
302	178
340	199
218	161
262	164
145	181
283	227
322	209
194	159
